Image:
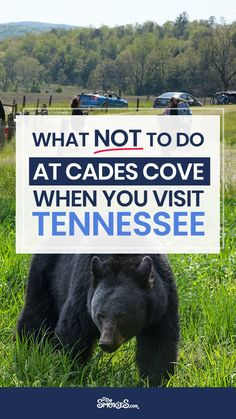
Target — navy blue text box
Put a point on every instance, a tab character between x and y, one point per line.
140	162
80	403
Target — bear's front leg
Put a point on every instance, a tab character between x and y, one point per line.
75	331
156	356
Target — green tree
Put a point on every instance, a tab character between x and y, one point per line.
28	71
222	53
9	59
102	76
181	25
137	56
2	76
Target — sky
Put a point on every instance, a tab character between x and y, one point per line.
113	12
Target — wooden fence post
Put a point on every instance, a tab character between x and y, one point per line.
50	100
37	107
11	125
23	102
14	107
137	106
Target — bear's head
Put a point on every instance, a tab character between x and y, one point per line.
118	299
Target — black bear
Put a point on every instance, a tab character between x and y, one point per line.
110	298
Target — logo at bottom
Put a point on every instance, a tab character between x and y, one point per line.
104	402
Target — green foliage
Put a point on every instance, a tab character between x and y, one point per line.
7	171
59	89
137	59
181	25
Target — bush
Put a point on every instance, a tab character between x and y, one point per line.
59	90
35	88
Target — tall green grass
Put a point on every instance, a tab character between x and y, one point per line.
7	170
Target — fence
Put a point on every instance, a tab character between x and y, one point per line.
40	102
35	100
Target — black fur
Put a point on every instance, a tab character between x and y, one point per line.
112	298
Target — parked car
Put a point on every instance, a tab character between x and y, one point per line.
163	100
224	98
105	100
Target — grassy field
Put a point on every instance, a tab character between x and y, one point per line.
207	295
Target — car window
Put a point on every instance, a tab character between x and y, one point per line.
187	97
167	95
111	95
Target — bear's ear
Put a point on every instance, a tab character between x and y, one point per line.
145	270
97	270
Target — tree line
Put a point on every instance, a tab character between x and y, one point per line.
141	59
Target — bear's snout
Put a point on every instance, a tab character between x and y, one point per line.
110	338
108	346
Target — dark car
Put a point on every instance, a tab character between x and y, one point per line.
224	98
164	99
102	100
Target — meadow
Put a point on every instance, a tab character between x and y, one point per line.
207	306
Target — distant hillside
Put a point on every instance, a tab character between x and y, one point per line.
198	57
16	29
